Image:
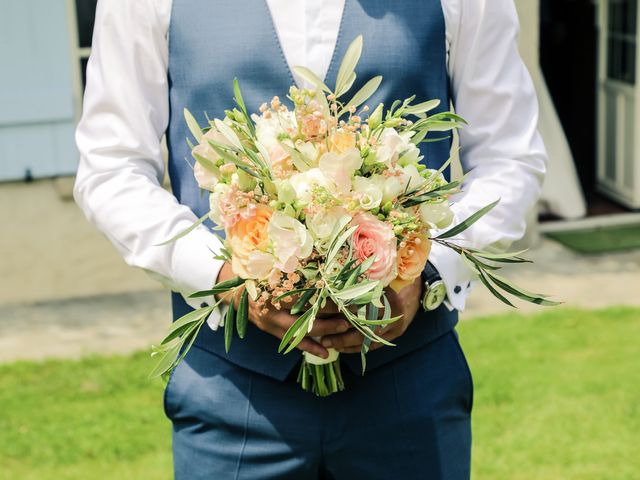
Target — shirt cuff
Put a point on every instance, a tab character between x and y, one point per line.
458	279
195	269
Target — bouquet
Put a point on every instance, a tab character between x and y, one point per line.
325	201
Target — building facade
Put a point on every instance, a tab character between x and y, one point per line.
581	54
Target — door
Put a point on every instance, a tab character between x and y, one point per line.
617	172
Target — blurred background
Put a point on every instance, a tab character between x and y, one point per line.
557	391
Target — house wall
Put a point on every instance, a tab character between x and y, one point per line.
562	194
37	108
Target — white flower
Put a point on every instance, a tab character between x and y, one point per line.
291	241
269	129
260	265
389	146
411	177
323	224
207	179
340	167
304	183
368	193
438	214
214	202
390	187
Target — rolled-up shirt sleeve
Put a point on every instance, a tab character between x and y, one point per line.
119	179
501	150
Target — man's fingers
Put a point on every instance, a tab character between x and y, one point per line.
328	326
313	347
352	338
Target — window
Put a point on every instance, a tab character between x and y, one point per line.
85	15
621	43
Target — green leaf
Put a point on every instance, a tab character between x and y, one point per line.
229	320
186	321
242	319
363	94
192	123
347	86
492	289
199	222
228	133
423	107
219	287
240	102
299	325
311	77
302	301
167	360
462	226
338	243
521	293
291	293
349	62
355	291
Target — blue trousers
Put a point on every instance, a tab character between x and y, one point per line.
408	419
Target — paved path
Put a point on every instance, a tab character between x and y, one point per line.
54	263
124	322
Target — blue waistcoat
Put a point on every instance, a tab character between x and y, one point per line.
213	41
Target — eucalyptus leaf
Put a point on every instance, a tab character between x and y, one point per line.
492	289
199	222
364	93
242	318
229	321
423	107
228	133
355	291
311	77
462	226
219	287
349	62
167	361
192	123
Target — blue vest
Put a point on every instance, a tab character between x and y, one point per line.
213	41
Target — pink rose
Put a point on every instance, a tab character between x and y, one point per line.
374	237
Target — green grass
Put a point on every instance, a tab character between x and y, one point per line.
557	397
600	240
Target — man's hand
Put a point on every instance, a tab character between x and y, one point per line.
405	303
277	322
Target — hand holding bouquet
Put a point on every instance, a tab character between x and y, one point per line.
325	203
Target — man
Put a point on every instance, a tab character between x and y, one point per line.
242	415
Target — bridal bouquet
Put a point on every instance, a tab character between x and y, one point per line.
324	201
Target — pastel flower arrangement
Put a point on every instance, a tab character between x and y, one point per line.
324	201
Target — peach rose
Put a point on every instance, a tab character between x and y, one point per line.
341	141
374	237
247	240
412	258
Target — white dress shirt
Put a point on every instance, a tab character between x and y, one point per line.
126	112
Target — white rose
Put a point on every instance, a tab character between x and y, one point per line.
368	193
322	224
438	214
291	241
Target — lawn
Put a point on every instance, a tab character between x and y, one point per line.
557	397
